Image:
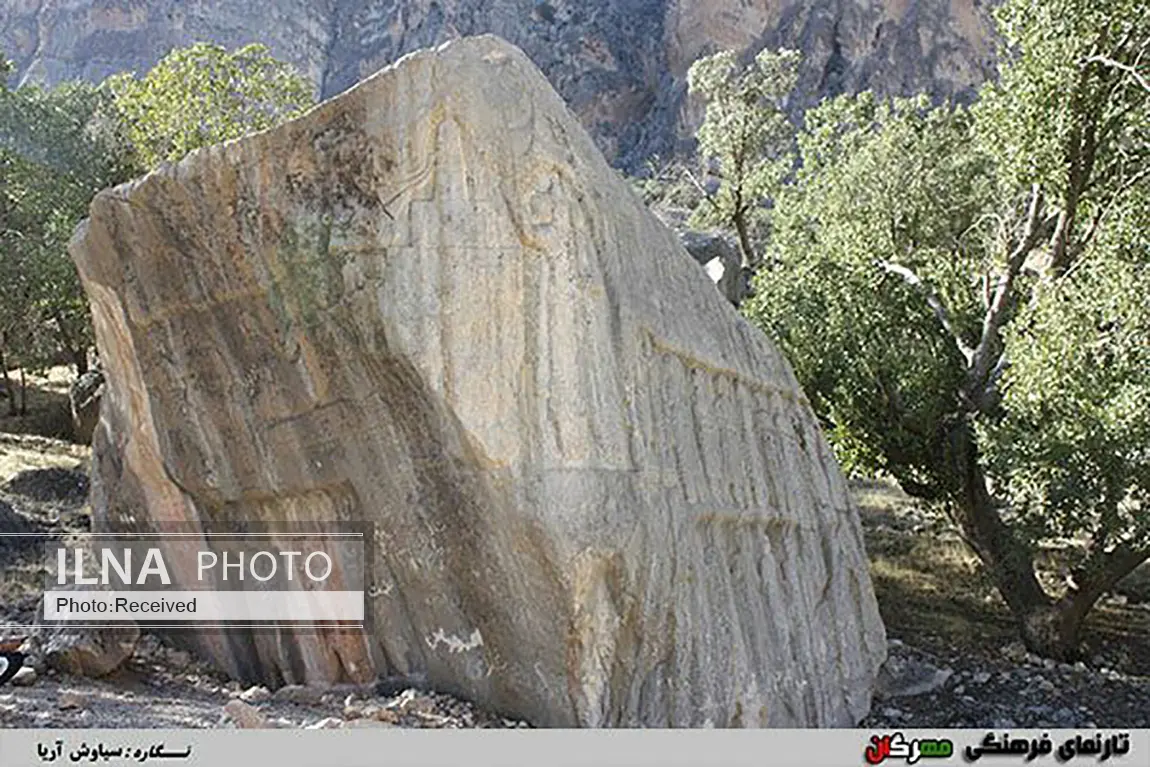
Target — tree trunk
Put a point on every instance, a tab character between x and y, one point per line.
1054	630
80	361
740	221
1008	560
7	383
1048	627
23	393
76	351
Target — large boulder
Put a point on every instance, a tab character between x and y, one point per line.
89	651
18	533
600	497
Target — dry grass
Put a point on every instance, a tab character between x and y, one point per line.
42	438
931	588
48	412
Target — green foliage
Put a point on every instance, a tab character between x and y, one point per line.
1072	113
58	147
1066	79
892	237
936	270
1073	451
665	185
1074	448
745	135
884	190
204	95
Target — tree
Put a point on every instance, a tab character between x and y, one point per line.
745	135
872	246
959	295
58	147
203	95
1073	451
61	145
1070	117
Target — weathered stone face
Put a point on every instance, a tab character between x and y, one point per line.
600	497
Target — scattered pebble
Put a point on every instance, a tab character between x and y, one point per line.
255	695
25	677
244	715
70	699
367	723
995	693
298	693
328	723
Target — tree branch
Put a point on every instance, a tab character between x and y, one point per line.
996	314
1105	568
933	301
702	190
996	373
1107	61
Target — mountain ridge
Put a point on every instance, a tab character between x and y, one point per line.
619	64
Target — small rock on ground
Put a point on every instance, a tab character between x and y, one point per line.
245	716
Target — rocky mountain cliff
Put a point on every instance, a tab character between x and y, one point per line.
619	64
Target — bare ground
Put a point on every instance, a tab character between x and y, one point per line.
949	627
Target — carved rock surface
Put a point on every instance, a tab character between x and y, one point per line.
621	66
600	497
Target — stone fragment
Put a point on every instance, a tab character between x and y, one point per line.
257	694
25	677
308	695
245	716
84	399
366	723
328	723
89	652
69	699
720	259
904	678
